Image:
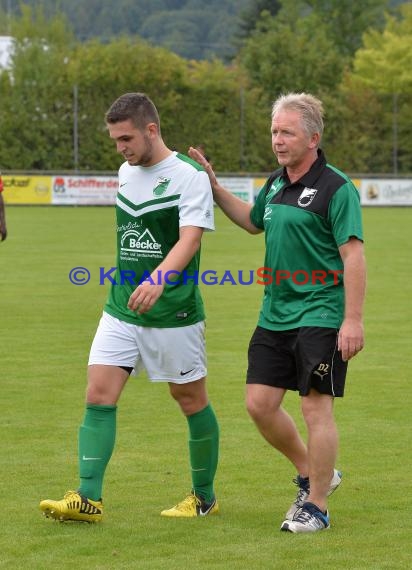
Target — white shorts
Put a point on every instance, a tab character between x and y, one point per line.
175	355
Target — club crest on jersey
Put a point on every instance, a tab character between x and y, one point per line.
161	186
307	197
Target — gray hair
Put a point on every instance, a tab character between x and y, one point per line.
309	107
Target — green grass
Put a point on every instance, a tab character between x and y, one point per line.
47	325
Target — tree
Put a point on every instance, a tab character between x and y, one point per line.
222	111
185	32
356	128
249	16
35	114
384	64
108	19
385	59
225	107
292	54
102	73
346	20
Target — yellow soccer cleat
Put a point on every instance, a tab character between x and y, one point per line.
192	506
73	507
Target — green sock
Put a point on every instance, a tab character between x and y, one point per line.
96	442
204	451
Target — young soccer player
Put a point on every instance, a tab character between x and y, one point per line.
164	204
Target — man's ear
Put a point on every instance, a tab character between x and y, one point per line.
314	140
152	130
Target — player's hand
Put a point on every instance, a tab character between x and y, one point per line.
144	297
350	338
198	156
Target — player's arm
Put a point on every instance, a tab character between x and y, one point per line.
235	209
351	338
3	228
146	294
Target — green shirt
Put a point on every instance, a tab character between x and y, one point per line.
152	204
305	223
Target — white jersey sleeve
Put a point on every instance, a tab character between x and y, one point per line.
196	202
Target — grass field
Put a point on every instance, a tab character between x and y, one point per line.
47	325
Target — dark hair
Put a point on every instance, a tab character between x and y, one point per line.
137	107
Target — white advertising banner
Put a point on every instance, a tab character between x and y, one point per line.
100	190
386	192
84	190
241	187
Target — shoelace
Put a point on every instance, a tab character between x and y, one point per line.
301	496
187	504
71	495
72	499
302	493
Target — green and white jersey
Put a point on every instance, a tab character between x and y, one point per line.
152	204
305	223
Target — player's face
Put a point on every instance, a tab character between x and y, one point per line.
135	145
290	142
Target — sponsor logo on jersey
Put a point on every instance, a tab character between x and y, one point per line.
307	197
161	186
142	243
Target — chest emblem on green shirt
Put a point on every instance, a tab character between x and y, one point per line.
161	186
307	197
268	212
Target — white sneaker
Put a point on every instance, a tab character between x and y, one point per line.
303	492
307	519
